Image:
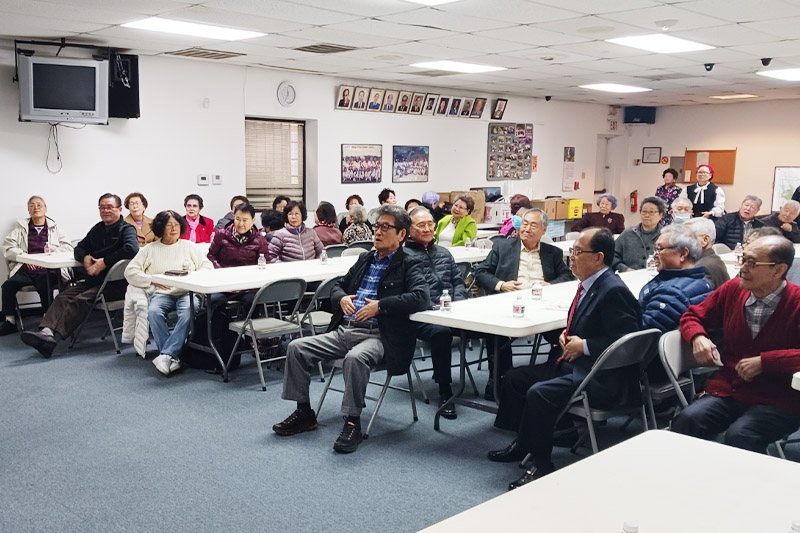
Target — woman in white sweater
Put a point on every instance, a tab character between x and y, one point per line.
169	253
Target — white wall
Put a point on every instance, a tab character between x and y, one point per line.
177	138
766	135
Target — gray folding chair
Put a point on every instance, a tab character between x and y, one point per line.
274	292
353	251
633	349
572	235
367	245
337	365
335	250
115	274
721	248
315	321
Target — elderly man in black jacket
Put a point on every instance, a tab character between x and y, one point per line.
441	273
109	241
370	325
734	227
516	264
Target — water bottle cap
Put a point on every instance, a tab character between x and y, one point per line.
630	527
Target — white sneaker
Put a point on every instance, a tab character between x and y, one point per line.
162	363
174	364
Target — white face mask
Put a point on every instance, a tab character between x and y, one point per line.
680	218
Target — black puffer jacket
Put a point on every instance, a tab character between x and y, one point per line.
441	271
401	292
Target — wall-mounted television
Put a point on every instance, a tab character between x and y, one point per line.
53	89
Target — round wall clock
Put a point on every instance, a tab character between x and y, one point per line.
286	94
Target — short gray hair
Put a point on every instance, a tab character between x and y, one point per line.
794	204
753	198
683	238
401	219
682	200
358	213
420	209
702	226
545	218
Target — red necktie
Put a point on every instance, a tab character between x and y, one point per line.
572	307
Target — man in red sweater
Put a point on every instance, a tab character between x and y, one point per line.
750	397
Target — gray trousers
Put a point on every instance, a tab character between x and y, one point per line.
360	348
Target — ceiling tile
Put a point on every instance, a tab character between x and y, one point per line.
436	18
428	50
508	11
665	61
475	43
144	7
590	28
785	28
646	18
363	8
24	26
742	11
404	32
218	17
530	36
48	10
773	49
283	11
593	8
327	34
601	49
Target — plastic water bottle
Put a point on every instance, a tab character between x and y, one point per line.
518	310
47	248
738	252
536	290
446	301
467	242
651	264
630	527
262	261
187	265
481	244
323	257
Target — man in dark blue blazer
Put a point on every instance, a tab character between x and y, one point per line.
515	264
603	311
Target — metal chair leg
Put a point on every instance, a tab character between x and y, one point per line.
419	380
325	390
258	362
590	423
321	372
378	406
411	393
110	325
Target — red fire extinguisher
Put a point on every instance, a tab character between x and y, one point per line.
634	200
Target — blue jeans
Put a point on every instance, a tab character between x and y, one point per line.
160	306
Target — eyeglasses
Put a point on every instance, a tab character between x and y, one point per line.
425	225
749	262
660	249
575	252
383	226
192	206
648	212
704	172
107	207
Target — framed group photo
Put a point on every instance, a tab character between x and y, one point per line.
362	163
410	164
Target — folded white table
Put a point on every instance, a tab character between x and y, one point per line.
493	315
249	278
663	481
730	257
469	255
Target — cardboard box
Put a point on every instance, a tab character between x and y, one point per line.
587	207
575	209
562	209
480	202
548	206
497	212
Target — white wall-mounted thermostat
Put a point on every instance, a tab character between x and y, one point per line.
203	179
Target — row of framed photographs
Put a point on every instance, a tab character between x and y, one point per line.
379	100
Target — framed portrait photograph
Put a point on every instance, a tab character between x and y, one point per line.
360	98
430	104
410	164
375	99
455	106
651	154
390	101
404	102
417	103
362	163
441	107
345	98
499	108
477	108
466	108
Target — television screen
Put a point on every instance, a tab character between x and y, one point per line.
491	193
63	87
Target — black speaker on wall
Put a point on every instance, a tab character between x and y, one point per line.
640	115
123	86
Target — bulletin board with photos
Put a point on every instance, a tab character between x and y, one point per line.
509	151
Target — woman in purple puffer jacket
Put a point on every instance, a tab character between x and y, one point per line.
295	242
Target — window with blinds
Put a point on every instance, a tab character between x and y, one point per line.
274	162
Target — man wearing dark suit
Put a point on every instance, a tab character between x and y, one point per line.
516	264
603	311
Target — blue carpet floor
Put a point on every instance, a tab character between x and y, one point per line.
94	441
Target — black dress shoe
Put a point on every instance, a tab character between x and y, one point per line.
448	412
45	344
528	476
7	328
510	454
488	392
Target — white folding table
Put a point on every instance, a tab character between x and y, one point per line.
51	261
493	315
248	278
665	482
470	254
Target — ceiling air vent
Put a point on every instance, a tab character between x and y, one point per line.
204	53
325	48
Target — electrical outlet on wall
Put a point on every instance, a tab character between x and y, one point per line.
216	179
202	179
